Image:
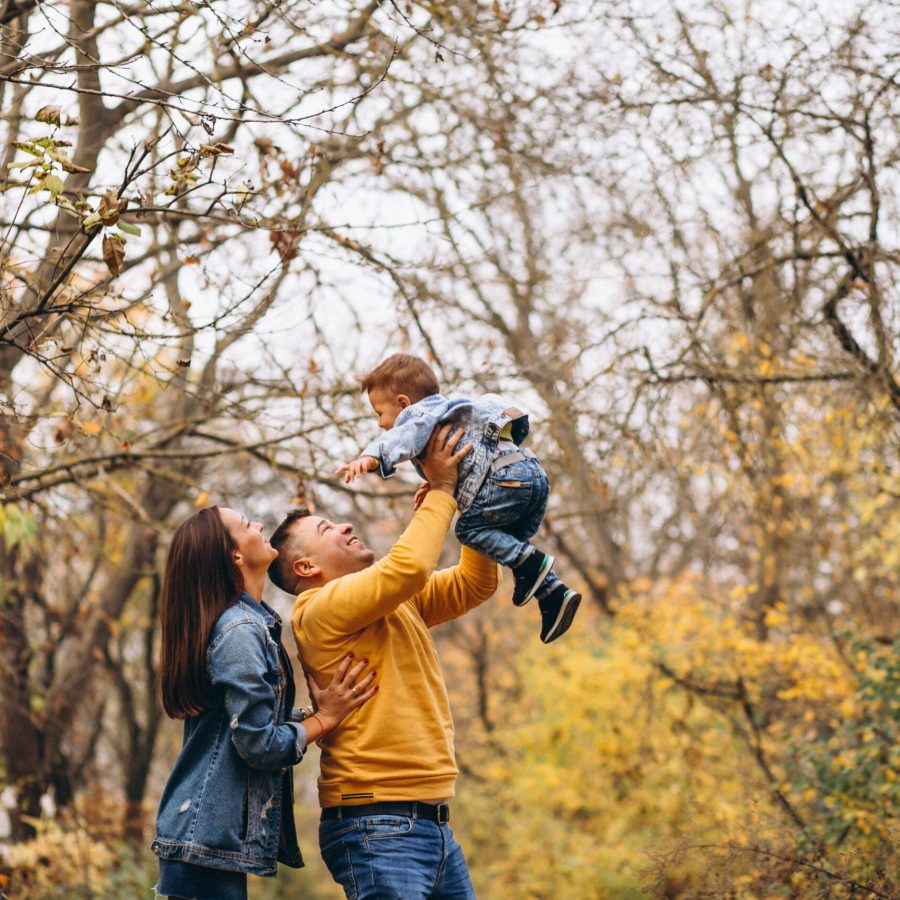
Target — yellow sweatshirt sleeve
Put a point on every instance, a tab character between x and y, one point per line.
350	603
451	593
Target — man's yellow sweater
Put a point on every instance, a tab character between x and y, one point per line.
399	745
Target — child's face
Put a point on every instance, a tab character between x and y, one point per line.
387	406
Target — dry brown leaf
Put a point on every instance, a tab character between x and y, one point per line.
113	254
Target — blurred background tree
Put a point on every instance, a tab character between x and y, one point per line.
670	234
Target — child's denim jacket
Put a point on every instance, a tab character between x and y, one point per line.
482	419
229	801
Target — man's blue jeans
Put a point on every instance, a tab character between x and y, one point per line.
506	512
395	858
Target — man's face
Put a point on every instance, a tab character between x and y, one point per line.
387	406
331	548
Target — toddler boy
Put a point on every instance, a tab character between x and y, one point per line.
502	490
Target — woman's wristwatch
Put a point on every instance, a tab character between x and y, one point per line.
299	713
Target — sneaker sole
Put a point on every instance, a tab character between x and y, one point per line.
564	619
542	577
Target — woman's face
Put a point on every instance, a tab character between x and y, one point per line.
253	551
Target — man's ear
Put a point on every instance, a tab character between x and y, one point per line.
403	401
304	568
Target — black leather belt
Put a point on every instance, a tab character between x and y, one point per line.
439	812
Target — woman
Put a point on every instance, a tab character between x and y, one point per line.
227	808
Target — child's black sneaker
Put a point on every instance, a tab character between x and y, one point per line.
529	575
558	610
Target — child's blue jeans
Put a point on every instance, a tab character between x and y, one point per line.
506	512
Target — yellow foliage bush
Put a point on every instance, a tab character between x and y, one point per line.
667	752
82	853
62	855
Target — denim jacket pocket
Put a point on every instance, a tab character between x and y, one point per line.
263	799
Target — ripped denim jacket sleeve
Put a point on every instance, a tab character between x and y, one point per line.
244	663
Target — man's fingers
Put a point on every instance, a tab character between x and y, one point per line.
461	453
439	437
454	438
444	438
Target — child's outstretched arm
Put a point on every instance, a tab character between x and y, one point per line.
352	470
407	439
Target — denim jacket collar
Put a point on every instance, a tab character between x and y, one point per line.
265	612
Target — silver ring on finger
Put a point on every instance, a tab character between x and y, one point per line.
353	690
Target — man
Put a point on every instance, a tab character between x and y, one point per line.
389	769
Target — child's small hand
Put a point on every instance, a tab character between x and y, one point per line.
352	470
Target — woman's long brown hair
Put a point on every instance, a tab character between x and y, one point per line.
201	581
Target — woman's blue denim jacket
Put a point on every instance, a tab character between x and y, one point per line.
482	419
229	802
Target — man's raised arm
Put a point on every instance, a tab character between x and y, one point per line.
450	593
350	603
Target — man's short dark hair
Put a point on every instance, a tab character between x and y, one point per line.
280	572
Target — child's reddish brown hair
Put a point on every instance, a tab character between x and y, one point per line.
402	373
